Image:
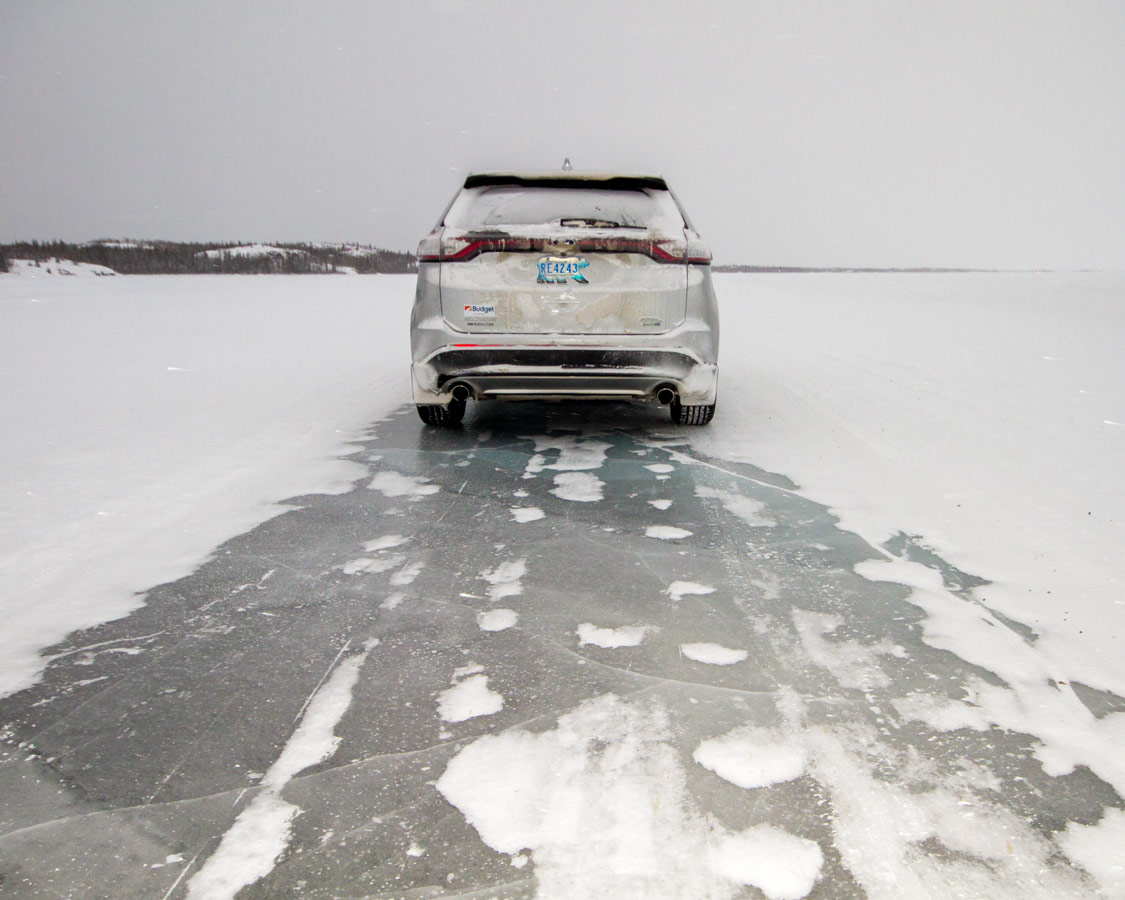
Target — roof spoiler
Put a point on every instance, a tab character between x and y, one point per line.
577	180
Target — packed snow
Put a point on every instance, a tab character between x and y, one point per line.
525	514
385	542
677	590
506	580
1100	850
469	698
581	487
713	654
667	532
751	757
609	767
573	454
497	619
612	638
784	866
395	484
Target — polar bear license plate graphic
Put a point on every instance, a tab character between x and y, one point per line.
560	269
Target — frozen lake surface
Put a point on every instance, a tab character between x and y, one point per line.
560	706
573	651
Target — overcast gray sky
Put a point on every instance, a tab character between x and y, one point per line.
818	133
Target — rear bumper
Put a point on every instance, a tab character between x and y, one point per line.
554	372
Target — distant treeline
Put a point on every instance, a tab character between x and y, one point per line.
173	258
783	270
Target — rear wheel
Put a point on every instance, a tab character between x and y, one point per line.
693	414
443	416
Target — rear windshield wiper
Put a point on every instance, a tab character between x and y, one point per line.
581	222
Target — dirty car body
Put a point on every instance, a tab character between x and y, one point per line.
564	285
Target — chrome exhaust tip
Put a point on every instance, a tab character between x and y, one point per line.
665	395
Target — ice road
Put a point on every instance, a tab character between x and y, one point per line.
558	653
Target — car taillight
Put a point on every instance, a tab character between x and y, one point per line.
454	248
429	250
698	253
439	247
443	247
694	252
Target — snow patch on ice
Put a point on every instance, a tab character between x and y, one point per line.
612	638
386	542
524	514
600	801
407	574
392	602
1036	698
713	654
744	508
880	826
574	454
464	671
469	699
752	757
260	834
677	590
660	468
852	664
581	487
505	579
782	865
366	565
660	504
667	532
497	619
1100	850
395	484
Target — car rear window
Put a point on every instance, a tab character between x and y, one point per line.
505	206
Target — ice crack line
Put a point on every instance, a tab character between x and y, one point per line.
250	848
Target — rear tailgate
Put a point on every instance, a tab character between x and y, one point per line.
567	284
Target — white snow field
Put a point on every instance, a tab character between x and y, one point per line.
984	413
147	419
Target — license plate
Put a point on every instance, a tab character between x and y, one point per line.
561	269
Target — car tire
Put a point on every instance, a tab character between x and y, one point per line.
443	416
692	414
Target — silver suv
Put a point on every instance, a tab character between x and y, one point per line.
564	285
